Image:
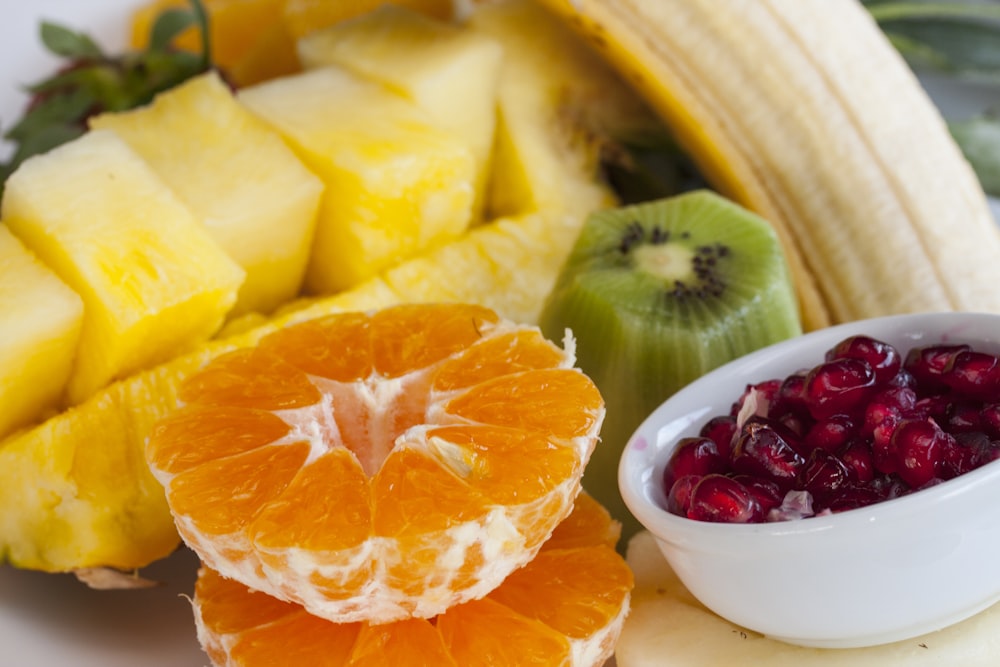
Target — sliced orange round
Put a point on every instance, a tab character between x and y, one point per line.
565	607
379	466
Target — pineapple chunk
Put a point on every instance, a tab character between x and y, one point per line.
396	184
559	105
153	282
237	175
449	72
40	320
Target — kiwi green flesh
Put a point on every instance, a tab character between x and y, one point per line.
639	335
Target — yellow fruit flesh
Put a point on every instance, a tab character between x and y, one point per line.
152	281
396	185
449	72
302	17
40	319
254	196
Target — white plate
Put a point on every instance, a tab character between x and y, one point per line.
53	620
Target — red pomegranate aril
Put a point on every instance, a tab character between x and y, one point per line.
851	497
962	454
722	499
761	450
919	448
857	456
883	358
831	434
693	456
963	417
839	386
973	374
823	474
721	429
679	496
864	425
767	494
928	363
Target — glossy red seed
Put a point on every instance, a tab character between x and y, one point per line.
973	374
831	434
963	417
767	494
693	456
857	456
762	451
766	392
963	454
990	418
721	499
721	429
919	448
841	386
823	474
851	497
883	358
679	496
928	363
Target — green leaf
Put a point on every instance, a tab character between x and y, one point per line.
959	37
979	139
69	44
168	25
64	109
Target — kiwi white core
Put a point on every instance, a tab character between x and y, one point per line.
669	261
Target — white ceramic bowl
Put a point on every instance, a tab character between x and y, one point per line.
873	575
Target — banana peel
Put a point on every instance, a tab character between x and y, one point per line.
802	111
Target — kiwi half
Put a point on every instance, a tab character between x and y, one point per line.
657	294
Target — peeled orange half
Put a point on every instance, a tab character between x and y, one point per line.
379	466
565	607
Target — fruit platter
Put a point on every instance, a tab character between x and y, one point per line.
325	325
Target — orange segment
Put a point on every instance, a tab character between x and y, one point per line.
382	497
538	616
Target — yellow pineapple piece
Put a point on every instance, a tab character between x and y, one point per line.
396	184
153	282
40	320
255	197
559	105
302	17
449	72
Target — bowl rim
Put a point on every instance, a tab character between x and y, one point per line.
642	458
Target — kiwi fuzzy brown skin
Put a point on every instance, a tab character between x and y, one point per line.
656	295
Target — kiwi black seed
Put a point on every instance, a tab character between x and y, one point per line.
656	295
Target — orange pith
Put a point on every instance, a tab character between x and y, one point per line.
565	607
379	466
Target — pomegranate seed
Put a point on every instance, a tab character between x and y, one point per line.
963	417
889	487
990	418
679	496
761	450
722	499
857	456
693	456
838	386
722	430
927	364
831	433
919	447
790	396
766	393
973	374
852	497
883	358
823	474
767	494
903	379
963	453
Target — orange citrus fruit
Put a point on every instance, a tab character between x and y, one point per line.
377	466
565	607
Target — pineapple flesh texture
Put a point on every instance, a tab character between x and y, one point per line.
152	280
559	104
40	319
450	72
255	197
396	184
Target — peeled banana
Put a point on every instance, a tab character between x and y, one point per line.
802	111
